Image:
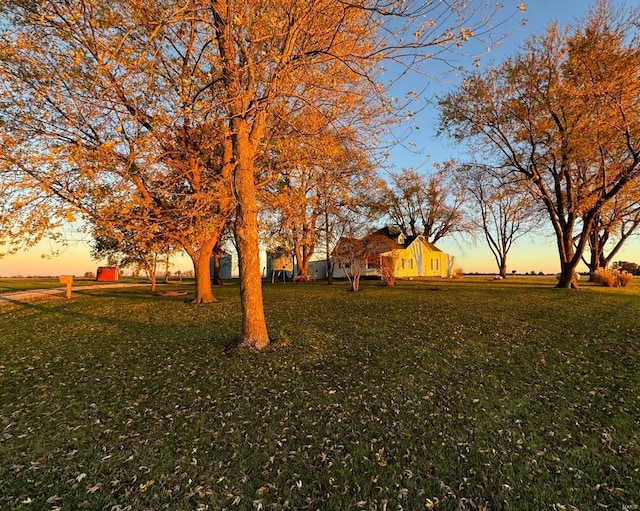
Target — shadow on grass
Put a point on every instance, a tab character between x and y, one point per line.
16	302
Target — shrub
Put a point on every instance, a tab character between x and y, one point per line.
388	269
458	273
613	278
625	278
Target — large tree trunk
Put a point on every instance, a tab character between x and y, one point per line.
217	277
200	259
204	294
303	273
596	249
303	257
595	261
153	273
570	253
254	325
502	266
567	278
330	267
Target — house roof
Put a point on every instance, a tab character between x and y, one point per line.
392	234
410	239
392	231
430	245
388	237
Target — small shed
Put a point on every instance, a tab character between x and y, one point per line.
107	273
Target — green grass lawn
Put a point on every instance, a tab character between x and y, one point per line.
440	395
9	285
18	284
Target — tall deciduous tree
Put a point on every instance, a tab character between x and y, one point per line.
563	114
501	210
427	204
314	175
612	227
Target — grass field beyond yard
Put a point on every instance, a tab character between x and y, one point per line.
442	395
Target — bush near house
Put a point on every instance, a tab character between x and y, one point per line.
388	268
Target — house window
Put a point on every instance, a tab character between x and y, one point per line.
407	263
435	264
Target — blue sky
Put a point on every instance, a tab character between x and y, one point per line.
422	148
530	254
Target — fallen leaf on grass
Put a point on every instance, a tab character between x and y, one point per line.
95	488
144	487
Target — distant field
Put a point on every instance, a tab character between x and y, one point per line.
446	395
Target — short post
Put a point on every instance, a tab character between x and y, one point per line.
68	280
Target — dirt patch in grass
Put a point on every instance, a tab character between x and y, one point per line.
173	293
